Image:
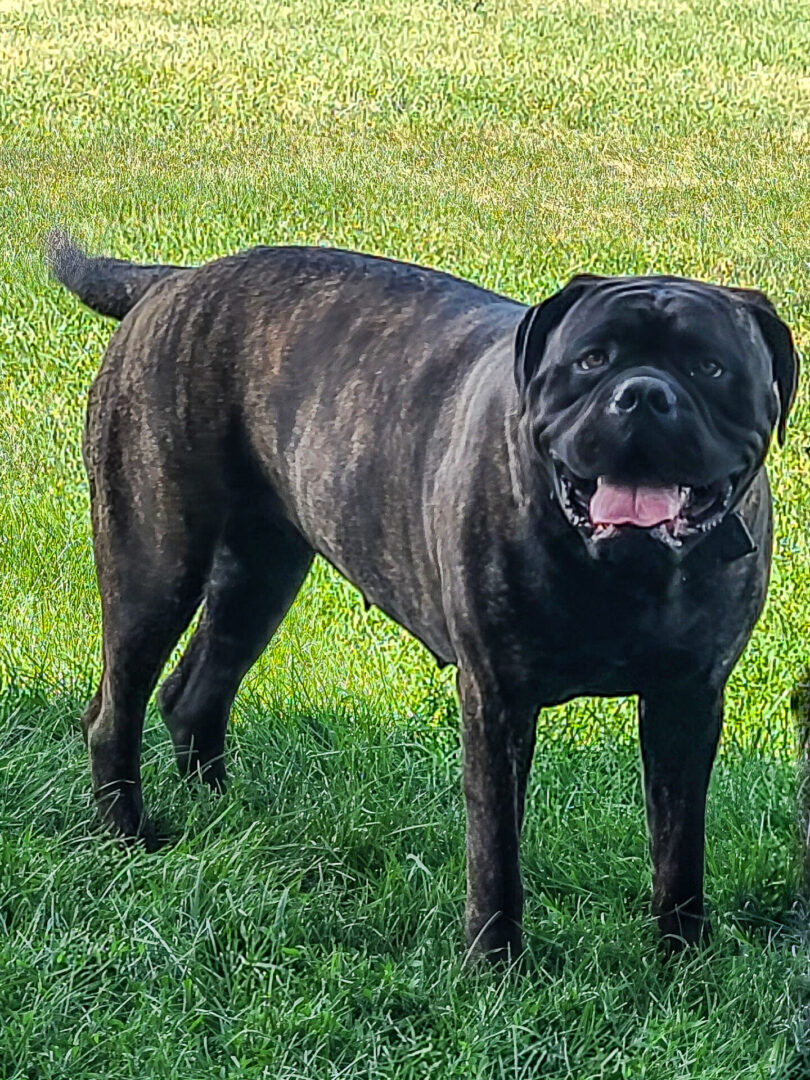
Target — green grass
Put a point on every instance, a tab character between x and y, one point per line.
308	924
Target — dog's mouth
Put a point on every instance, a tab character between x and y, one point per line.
604	508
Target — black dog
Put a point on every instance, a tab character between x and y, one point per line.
565	499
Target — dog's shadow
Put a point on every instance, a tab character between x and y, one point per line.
784	921
35	717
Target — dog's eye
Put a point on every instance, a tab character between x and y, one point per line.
594	359
705	366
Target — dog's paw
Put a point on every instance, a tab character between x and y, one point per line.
122	814
497	941
679	930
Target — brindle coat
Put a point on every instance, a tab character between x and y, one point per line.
403	424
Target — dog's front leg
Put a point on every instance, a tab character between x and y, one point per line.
498	738
679	727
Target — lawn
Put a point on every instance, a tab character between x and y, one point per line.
308	924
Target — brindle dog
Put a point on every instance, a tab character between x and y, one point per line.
562	499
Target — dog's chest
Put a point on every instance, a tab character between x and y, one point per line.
599	638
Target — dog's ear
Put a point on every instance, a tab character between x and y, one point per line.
779	340
539	321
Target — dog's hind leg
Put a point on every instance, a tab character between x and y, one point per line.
258	568
149	594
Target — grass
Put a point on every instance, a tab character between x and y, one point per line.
308	924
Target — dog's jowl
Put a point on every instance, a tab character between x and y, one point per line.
561	500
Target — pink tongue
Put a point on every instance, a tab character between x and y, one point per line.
613	504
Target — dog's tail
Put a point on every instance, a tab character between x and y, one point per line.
109	286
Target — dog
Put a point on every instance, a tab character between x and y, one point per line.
564	499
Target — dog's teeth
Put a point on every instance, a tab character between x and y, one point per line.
600	480
662	533
601	531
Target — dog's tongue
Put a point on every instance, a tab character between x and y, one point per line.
617	504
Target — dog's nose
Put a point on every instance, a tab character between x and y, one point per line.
644	393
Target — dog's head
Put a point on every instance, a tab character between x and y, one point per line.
652	402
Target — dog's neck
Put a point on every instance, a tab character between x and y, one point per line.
522	469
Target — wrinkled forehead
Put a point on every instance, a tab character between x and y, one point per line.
661	310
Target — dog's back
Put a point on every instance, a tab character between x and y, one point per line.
292	378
